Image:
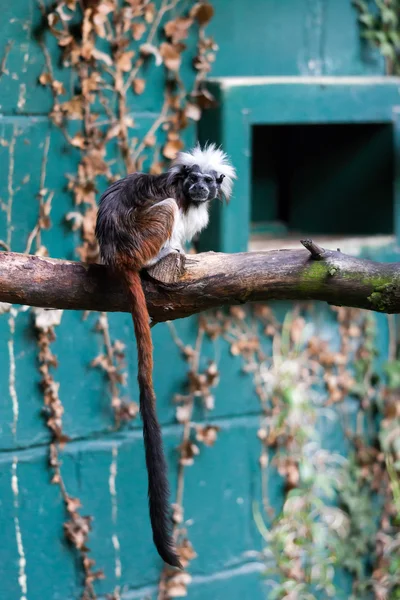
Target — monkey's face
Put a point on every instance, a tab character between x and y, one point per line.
198	186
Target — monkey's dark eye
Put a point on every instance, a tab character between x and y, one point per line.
208	179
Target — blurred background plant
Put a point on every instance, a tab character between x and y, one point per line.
380	21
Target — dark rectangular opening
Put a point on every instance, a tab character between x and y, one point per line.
322	180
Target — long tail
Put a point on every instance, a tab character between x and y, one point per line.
158	489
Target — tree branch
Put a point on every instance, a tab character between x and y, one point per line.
180	286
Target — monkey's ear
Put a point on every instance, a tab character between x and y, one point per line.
222	195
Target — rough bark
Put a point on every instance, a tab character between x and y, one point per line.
185	285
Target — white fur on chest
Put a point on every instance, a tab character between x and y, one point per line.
189	224
194	221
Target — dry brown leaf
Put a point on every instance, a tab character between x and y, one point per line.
150	141
119	347
205	99
173	135
87	50
138	30
56	478
74	107
177	585
172	148
188	352
101	361
129	121
354	331
58	87
203	12
156	168
200	63
262	434
105	7
87	24
207	435
186	552
270	330
192	111
99	18
52	20
45	78
79	141
177	514
91	84
178	29
125	411
178	120
183	413
73	504
149	12
94	164
176	590
209	402
188	450
83	192
72	55
138	86
76	218
124	61
212	374
171	56
77	530
237	312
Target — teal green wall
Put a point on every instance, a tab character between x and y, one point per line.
290	37
272	37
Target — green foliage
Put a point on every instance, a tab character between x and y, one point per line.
380	22
392	370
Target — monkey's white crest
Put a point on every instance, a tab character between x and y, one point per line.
209	158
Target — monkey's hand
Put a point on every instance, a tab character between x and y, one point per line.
164	252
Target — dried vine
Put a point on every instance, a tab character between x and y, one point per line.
200	385
111	79
77	527
328	519
112	49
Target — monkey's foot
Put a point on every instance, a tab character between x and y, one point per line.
169	268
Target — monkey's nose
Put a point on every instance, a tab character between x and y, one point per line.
199	189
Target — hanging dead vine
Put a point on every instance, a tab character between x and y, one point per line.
200	385
77	527
112	49
110	80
